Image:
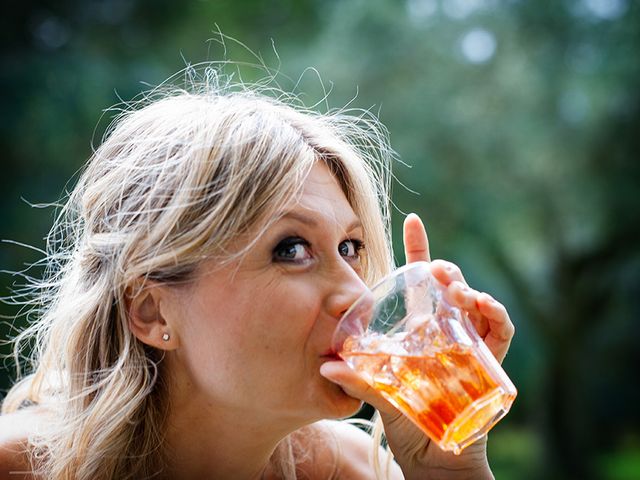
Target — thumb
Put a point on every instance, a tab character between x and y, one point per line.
416	242
353	385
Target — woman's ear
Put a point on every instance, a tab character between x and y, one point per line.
147	315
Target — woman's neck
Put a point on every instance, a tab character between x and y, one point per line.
204	440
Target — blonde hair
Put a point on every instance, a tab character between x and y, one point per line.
179	175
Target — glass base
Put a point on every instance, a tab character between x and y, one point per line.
476	420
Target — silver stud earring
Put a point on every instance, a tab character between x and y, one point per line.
165	337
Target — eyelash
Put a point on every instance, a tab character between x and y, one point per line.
358	246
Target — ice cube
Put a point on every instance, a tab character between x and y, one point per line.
384	375
393	344
416	387
364	343
425	339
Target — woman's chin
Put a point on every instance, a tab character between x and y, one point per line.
341	404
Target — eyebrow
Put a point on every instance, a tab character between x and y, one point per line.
314	223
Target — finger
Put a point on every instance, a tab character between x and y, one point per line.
354	386
460	295
446	272
416	242
480	323
501	329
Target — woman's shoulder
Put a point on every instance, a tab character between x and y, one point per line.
350	450
15	430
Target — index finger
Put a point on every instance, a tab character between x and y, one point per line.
416	243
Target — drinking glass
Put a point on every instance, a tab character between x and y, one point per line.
425	357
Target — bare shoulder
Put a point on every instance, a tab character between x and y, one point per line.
355	453
15	429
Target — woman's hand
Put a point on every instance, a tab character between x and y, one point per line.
415	453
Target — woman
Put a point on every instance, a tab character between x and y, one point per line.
197	273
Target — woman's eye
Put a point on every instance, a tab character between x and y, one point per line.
350	248
293	249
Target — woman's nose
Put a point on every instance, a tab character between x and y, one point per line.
346	287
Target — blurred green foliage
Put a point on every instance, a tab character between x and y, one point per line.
520	121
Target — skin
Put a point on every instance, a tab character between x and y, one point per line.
248	359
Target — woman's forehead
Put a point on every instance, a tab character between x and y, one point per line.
321	201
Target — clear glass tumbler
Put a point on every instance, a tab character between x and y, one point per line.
424	356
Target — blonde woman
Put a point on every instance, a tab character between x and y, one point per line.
197	272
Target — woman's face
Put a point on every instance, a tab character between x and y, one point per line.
253	334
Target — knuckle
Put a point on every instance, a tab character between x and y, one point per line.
510	329
447	266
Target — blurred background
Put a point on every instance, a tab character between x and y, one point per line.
518	121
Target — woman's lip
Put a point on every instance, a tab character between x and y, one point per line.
331	355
